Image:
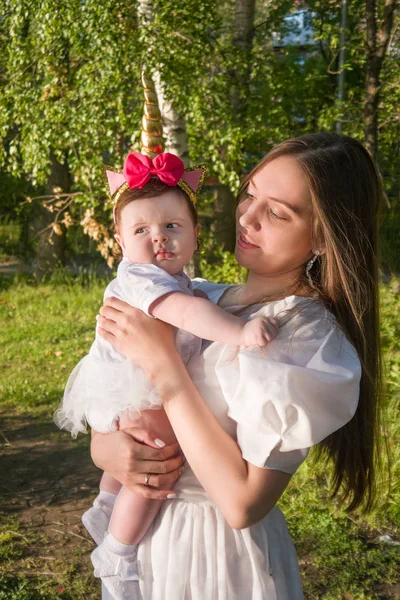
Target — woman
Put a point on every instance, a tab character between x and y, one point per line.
307	233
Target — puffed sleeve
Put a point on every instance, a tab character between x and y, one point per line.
143	284
293	393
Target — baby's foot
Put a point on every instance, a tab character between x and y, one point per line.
97	518
116	564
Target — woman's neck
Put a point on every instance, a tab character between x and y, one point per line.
261	287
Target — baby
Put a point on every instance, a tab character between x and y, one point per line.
157	227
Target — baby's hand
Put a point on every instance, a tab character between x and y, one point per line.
259	331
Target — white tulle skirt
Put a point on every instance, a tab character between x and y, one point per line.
99	392
191	553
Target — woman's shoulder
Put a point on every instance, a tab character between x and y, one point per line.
309	335
213	290
300	315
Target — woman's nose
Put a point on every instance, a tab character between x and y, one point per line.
250	219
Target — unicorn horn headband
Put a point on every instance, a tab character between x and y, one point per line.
139	168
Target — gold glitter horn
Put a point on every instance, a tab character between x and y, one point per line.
151	138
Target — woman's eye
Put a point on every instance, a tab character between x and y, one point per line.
275	216
171	225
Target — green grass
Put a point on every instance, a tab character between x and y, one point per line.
16	542
45	329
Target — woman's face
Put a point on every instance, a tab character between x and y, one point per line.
274	221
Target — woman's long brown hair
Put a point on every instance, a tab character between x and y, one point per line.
347	197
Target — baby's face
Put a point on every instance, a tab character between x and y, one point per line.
158	231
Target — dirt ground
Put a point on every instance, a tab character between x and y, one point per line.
48	481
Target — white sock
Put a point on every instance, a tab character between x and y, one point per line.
97	518
105	501
119	547
115	559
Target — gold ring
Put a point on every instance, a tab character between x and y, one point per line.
147	478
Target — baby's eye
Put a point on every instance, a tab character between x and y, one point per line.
171	225
139	230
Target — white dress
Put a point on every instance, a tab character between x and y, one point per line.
104	385
276	402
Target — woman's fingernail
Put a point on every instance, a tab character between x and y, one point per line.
170	496
97	317
159	443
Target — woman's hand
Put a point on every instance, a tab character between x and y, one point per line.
131	454
148	342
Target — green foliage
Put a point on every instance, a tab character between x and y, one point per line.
9	236
70	85
222	268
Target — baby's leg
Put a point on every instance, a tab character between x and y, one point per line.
133	514
97	519
109	484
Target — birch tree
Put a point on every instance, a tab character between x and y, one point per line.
174	125
378	33
239	73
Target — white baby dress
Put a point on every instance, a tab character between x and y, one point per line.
105	384
276	402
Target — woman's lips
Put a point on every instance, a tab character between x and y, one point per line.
242	243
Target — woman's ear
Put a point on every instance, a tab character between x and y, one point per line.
320	250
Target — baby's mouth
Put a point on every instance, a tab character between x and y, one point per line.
164	253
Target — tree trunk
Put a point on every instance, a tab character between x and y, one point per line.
371	108
242	40
378	37
51	246
174	125
243	35
224	226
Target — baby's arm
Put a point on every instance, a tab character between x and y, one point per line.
210	322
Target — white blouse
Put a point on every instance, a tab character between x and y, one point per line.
294	392
276	402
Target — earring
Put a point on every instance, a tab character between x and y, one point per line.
309	267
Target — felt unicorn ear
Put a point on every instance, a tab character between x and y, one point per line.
115	180
192	181
193	178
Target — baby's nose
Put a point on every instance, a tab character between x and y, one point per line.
160	237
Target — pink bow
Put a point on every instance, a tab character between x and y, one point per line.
139	168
